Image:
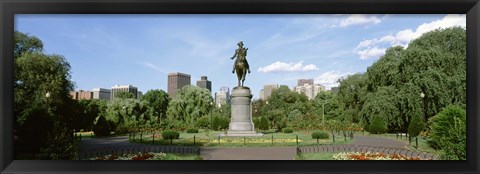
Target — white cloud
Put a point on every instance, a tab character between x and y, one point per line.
154	67
374	48
287	67
359	19
372	52
329	79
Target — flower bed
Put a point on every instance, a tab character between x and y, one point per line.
139	156
372	156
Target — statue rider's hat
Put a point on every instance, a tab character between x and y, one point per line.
240	43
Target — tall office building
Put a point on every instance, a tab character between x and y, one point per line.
309	90
176	81
302	82
222	97
204	83
262	94
101	93
127	88
267	91
139	94
81	95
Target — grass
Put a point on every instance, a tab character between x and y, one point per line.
422	142
85	134
316	156
171	156
211	139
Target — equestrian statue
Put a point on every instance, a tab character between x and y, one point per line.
241	64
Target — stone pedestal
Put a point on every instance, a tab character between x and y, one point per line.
241	121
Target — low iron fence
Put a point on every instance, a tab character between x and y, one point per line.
134	149
363	148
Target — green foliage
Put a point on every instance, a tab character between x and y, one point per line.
124	95
454	146
170	135
263	125
128	113
189	104
449	126
25	43
433	64
101	127
283	101
220	122
54	117
320	135
204	122
192	130
157	104
377	126
287	130
416	126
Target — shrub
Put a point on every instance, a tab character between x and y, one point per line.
192	130
220	122
122	130
377	126
287	130
101	128
263	125
170	135
320	135
449	133
416	125
203	122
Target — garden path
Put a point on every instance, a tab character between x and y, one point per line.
244	153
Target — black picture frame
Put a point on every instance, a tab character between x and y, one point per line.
9	8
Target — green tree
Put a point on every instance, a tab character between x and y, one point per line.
352	95
189	104
42	84
263	125
157	103
377	126
124	95
101	127
444	122
25	43
416	126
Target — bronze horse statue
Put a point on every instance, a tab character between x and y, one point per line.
241	64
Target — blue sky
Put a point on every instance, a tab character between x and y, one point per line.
106	50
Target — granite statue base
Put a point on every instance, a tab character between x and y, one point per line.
241	120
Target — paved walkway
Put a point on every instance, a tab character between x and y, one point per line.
377	141
244	153
248	153
97	143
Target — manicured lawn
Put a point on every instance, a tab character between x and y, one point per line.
212	139
85	134
316	156
171	156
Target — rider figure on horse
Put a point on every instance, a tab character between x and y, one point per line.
240	53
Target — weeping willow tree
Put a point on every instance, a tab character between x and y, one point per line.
421	79
189	104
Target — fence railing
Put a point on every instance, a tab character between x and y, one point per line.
134	149
363	148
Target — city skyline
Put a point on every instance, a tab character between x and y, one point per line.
142	49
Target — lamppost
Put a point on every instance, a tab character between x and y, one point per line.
423	100
211	122
323	114
47	96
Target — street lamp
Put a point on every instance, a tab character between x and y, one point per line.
323	114
47	96
211	122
